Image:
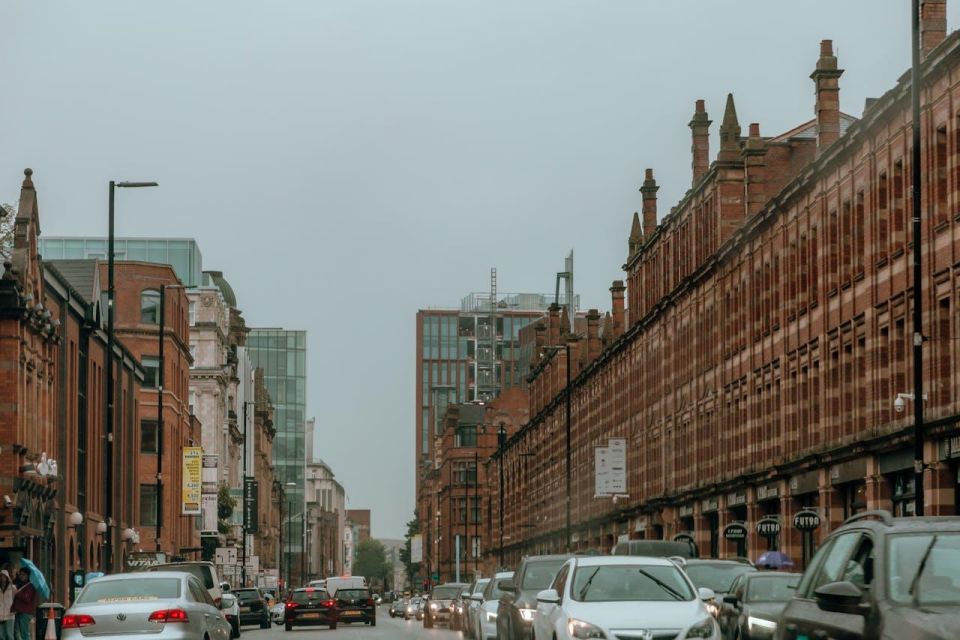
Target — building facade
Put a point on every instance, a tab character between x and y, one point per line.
326	520
182	254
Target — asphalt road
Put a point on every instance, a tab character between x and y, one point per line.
386	629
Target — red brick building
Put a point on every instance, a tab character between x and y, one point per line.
755	370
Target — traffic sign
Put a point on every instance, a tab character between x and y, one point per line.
226	556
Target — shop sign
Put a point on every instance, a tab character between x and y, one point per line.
806	520
950	448
685	511
145	559
708	505
735	531
640	524
684	536
768	527
768	491
191	490
807	482
251	500
737	498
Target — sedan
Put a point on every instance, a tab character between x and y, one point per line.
623	597
487	613
398	608
163	605
756	604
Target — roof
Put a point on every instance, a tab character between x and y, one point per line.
82	275
808	130
217	278
594	561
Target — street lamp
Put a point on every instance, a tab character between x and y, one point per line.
917	280
111	400
160	377
567	394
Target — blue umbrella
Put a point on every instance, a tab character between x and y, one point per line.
774	560
36	578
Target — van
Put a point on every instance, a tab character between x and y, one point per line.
347	582
206	572
657	549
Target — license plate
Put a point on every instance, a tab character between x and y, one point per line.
310	616
351	613
244	609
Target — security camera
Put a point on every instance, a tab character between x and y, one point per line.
899	404
7	502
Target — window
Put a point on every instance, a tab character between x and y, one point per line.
467	436
148	505
150	306
151	372
193	356
835	562
476	547
475	510
192	311
191	401
149	436
464	473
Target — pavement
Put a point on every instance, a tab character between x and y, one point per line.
387	629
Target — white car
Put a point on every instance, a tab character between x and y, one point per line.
623	597
486	624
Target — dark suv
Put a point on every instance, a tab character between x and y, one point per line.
517	607
883	578
253	608
440	604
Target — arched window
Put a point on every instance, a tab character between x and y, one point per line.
150	306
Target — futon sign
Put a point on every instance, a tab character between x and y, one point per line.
806	520
768	527
735	531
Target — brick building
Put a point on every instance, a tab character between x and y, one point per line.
268	529
766	338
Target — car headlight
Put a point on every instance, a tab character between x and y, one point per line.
756	625
703	629
712	608
433	606
527	614
491	616
581	629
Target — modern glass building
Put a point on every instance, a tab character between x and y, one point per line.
282	355
182	254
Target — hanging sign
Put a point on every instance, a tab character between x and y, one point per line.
806	520
684	536
768	527
735	531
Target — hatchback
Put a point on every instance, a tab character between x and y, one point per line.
310	607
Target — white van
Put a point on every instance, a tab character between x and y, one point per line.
334	584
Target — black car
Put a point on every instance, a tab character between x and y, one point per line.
755	603
253	607
440	603
881	578
518	605
718	576
357	605
310	606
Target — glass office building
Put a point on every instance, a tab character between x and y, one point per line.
180	253
282	355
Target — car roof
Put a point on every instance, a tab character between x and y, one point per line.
888	524
696	561
554	556
601	561
503	574
767	574
154	575
452	584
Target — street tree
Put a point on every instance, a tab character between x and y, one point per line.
7	217
372	562
412	568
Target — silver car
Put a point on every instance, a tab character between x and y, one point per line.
161	605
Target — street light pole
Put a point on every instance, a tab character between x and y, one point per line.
917	279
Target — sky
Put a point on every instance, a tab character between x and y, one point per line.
346	162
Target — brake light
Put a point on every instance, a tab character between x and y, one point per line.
329	603
72	621
168	615
309	589
291	604
370	602
217	602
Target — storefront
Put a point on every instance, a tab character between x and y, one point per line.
710	509
737	512
950	456
768	506
900	484
849	481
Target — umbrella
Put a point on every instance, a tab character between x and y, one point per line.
36	578
774	560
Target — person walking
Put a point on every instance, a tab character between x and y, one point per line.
7	591
24	604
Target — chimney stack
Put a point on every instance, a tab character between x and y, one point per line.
933	25
729	133
755	168
826	77
649	192
616	292
594	346
700	128
553	325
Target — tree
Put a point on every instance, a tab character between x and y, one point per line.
412	568
225	506
371	562
6	229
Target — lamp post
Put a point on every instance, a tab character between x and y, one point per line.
567	394
160	379
111	400
289	529
917	253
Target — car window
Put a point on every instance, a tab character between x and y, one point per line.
560	582
537	576
445	593
199	594
493	591
737	587
201	571
859	569
481	586
770	587
835	562
312	596
716	576
630	583
939	582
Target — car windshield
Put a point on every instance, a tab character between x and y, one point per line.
415	601
939	579
105	591
246	595
770	587
717	577
630	583
445	593
539	575
309	597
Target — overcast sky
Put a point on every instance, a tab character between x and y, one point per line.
347	162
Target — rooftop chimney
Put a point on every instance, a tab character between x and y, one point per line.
649	191
616	293
729	133
933	24
700	128
826	77
755	168
594	346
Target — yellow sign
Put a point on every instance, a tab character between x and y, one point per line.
192	480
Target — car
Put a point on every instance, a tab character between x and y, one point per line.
486	615
356	605
398	608
231	611
755	603
413	605
206	572
168	605
623	597
519	600
458	609
882	578
310	607
440	604
421	605
277	612
718	575
334	584
474	600
656	548
318	584
253	607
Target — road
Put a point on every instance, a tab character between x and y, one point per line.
386	629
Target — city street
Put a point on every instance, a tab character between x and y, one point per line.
387	629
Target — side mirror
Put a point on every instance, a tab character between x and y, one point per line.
706	594
841	597
730	600
548	596
508	586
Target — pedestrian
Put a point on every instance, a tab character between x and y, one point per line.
24	604
7	592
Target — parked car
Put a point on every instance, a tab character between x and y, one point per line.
231	611
310	607
440	604
717	575
883	578
518	602
458	608
398	608
134	604
755	603
593	595
253	607
413	605
277	612
474	600
206	572
486	616
356	605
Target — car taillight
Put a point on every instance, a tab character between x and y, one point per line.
291	605
169	615
217	602
72	621
329	603
370	602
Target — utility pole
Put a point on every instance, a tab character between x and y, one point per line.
917	177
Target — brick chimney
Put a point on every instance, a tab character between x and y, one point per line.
539	341
729	133
933	24
649	192
574	344
594	346
755	167
700	128
616	292
826	77
553	325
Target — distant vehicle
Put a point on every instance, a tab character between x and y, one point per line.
717	575
474	600
318	584
755	603
332	585
418	614
309	606
140	605
656	549
398	608
459	608
356	605
253	607
277	612
486	628
206	572
413	605
231	611
440	603
518	602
